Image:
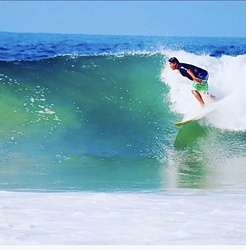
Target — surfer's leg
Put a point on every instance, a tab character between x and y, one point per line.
199	87
198	97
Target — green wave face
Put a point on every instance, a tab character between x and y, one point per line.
105	123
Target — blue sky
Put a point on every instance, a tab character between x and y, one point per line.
163	18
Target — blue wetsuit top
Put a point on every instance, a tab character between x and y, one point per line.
198	72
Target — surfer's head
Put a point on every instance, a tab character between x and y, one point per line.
173	63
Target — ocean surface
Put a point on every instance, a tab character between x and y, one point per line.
89	151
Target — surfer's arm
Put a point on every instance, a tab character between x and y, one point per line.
193	76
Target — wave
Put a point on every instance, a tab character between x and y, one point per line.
102	102
100	121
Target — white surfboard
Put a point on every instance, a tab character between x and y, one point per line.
201	113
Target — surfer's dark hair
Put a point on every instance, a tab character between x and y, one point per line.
173	60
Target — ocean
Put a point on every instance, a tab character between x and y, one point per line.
89	151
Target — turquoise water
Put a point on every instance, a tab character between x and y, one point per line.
97	113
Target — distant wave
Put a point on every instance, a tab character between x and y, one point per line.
31	46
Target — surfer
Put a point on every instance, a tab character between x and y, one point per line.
198	75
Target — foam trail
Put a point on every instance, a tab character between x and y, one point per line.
226	81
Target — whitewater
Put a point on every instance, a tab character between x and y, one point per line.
89	152
225	82
172	218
